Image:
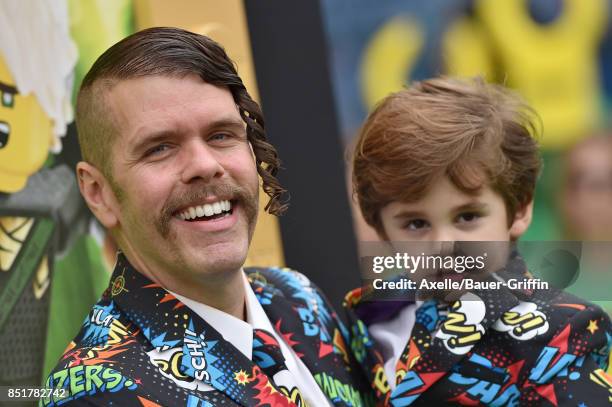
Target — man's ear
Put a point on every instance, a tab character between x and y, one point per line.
252	151
98	194
522	220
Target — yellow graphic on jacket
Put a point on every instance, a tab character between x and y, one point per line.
462	328
523	322
603	379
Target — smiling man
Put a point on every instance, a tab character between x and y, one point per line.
174	149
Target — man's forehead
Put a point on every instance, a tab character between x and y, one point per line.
150	100
157	91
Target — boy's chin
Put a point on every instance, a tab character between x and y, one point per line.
447	296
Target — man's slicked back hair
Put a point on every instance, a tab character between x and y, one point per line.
171	52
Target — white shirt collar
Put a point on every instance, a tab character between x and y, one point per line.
236	331
240	334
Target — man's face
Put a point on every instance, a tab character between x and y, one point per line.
184	176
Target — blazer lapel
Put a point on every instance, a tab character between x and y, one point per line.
365	350
306	323
296	323
435	348
206	356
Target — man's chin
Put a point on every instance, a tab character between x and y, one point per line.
211	254
218	259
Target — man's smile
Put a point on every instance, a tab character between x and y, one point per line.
206	211
216	216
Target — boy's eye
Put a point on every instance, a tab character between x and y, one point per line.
416	224
467	217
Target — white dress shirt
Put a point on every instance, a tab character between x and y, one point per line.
392	336
240	334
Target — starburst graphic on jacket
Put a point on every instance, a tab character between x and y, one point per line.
287	337
266	392
242	377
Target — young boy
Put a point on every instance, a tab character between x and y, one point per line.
451	160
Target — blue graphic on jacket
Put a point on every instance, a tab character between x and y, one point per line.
97	324
427	315
198	361
494	386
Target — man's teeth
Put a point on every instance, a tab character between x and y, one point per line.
205	210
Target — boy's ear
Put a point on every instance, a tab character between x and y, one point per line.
522	220
98	194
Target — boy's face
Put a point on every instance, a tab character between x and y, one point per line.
448	214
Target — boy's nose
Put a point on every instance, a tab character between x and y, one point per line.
447	248
443	235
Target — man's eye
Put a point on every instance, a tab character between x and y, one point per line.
416	224
468	217
219	137
157	150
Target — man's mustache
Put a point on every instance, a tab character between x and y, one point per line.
197	194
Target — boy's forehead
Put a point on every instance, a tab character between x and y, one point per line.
444	192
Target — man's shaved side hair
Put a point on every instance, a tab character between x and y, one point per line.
176	53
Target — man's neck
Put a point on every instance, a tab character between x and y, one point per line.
227	295
224	292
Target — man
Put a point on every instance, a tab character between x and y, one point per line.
172	145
